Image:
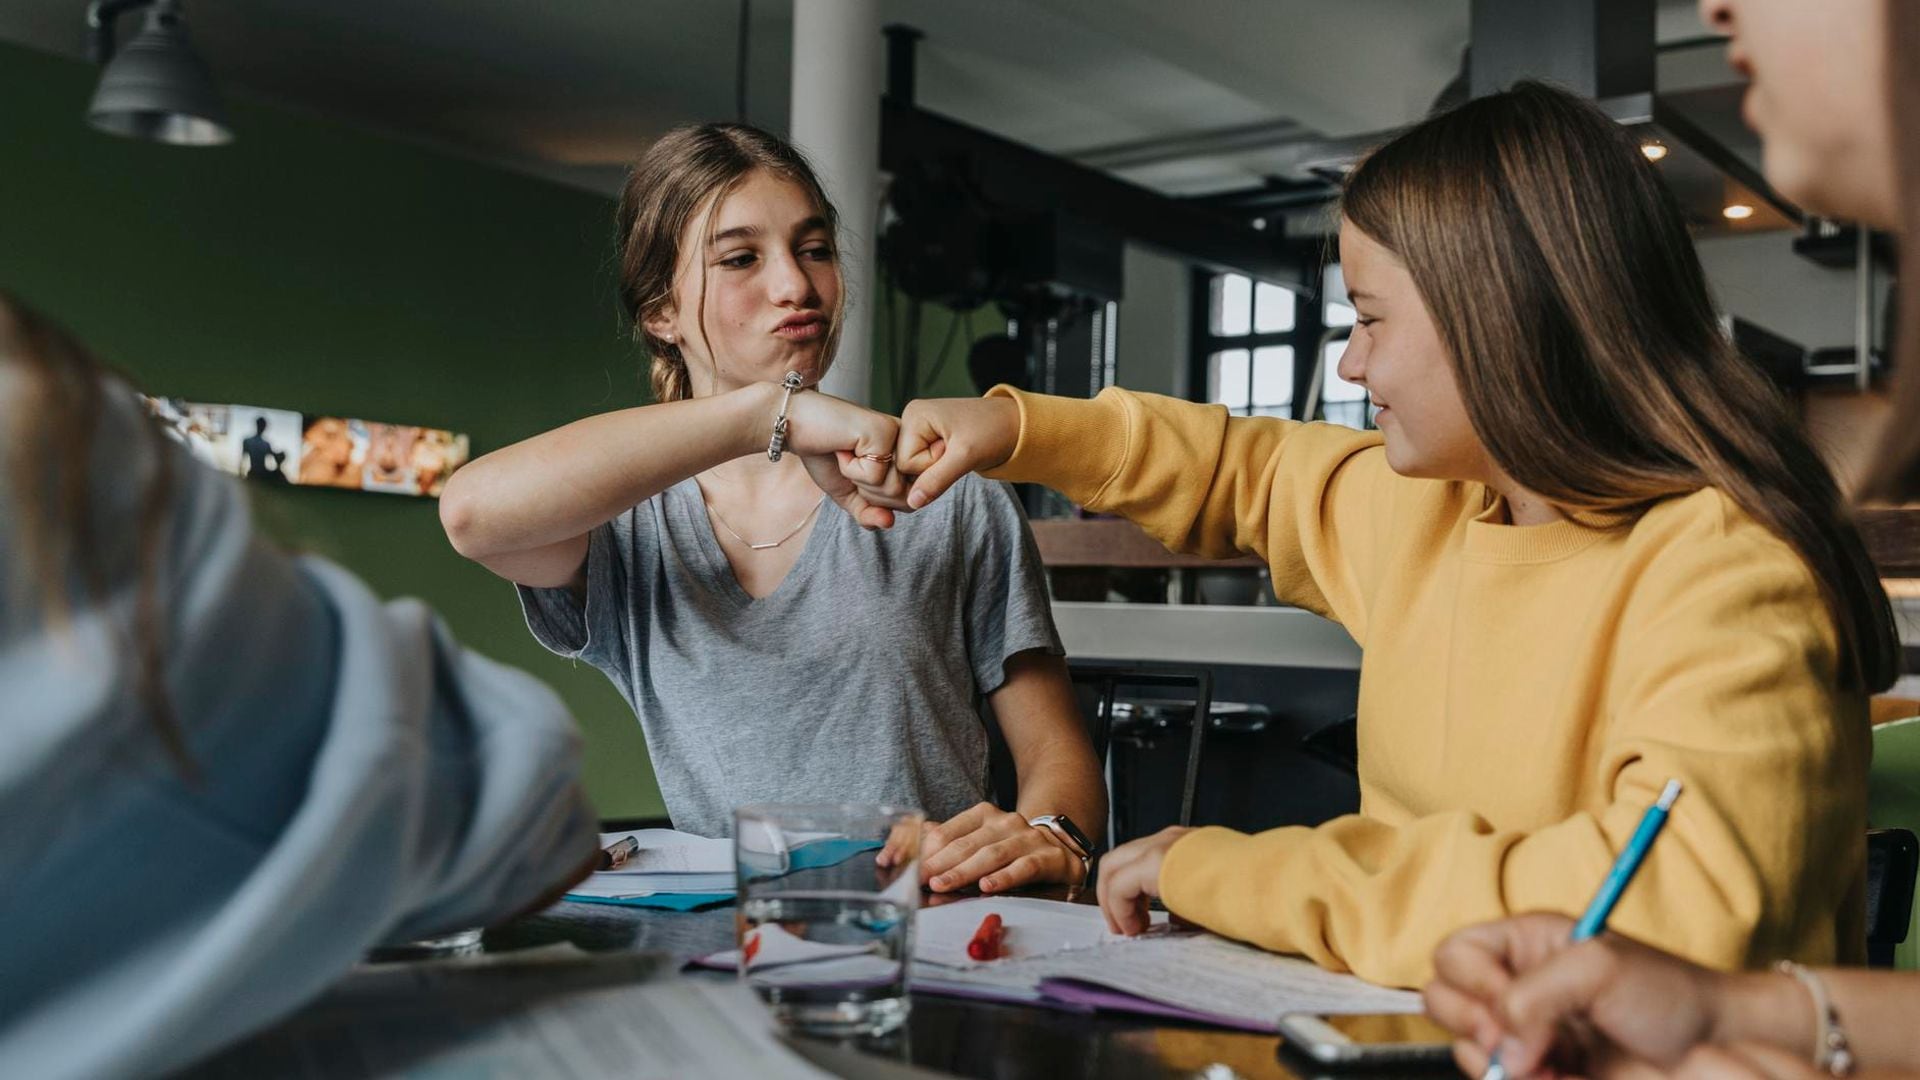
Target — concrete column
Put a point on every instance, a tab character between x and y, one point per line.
838	60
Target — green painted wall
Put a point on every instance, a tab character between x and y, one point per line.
314	267
309	266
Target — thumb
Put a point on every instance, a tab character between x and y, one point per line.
936	478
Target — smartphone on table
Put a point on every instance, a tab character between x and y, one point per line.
1367	1039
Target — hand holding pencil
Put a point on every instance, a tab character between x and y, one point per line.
1507	988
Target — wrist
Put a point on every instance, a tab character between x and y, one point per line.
1006	424
755	406
1761	1006
1060	830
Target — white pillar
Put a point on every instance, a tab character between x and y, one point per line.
838	60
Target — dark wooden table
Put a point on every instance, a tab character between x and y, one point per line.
966	1038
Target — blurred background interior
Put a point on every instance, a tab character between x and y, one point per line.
404	211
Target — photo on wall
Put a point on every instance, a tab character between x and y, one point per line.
332	451
277	446
266	444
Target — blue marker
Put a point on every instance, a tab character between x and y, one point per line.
1595	920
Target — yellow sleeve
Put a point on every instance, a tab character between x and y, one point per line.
1724	679
1305	497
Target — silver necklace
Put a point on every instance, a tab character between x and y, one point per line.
768	544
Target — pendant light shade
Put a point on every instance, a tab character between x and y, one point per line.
157	87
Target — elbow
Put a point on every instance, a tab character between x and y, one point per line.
458	514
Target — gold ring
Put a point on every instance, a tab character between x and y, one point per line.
882	459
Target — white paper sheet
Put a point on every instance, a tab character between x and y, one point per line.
668	851
1034	928
1203	973
574	1019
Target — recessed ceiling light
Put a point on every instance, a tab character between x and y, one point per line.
1654	151
1737	212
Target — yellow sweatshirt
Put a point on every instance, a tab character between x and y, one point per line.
1526	692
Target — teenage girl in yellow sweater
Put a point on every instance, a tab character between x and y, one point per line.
1587	551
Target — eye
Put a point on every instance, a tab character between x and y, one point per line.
1363	321
738	262
822	253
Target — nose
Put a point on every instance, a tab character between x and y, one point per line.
1353	361
1717	15
787	282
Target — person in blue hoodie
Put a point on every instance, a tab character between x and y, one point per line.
225	772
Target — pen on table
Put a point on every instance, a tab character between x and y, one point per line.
615	854
1594	920
986	940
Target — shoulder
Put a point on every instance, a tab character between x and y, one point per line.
1701	557
1708	527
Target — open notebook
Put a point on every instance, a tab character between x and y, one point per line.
1060	955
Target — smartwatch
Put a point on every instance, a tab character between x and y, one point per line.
1071	838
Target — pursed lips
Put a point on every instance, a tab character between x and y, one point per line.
801	327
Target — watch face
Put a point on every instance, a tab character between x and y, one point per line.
1073	831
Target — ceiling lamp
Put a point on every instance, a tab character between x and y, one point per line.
157	88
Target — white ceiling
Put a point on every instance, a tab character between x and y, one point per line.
574	90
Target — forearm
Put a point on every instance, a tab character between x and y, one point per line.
561	484
1065	780
1876	1008
1052	755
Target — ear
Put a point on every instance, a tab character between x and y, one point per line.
661	325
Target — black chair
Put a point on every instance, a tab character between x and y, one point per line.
1337	744
1107	693
1893	860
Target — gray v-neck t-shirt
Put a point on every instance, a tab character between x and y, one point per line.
858	679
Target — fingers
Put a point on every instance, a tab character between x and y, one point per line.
1540	1002
902	844
934	856
934	481
954	841
1034	866
1465	1016
922	440
1471	1059
1122	892
928	449
826	475
1123	899
985	860
1474	971
877	481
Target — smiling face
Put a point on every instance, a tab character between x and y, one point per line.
1818	99
1397	355
756	289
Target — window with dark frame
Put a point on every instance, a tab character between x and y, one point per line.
1249	335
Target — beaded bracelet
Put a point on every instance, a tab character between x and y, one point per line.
778	444
1833	1052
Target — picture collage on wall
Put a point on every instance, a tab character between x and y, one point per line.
278	446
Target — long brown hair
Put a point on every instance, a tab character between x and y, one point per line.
47	443
678	175
1559	271
1894	474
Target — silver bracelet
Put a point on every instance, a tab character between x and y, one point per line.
778	444
1832	1051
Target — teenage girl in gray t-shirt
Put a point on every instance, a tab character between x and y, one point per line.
774	647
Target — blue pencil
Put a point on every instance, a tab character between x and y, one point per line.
1595	919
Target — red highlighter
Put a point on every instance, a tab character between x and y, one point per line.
986	943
